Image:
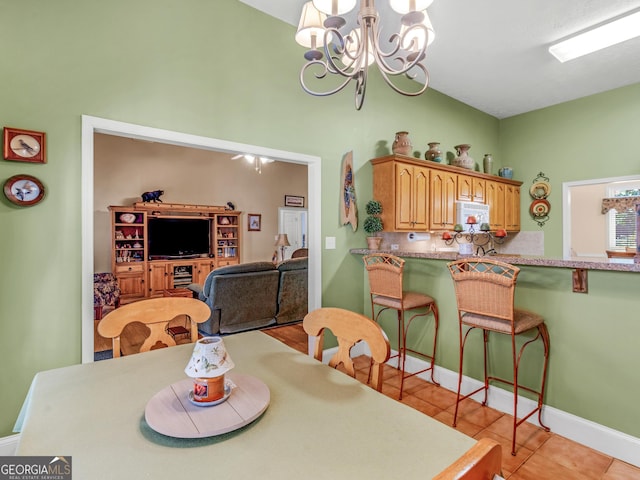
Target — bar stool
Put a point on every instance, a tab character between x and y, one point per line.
485	295
386	289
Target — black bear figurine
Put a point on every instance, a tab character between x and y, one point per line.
152	196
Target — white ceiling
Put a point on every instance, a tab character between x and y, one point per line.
493	55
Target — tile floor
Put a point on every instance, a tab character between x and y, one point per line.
539	455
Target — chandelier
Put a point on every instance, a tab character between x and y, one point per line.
349	56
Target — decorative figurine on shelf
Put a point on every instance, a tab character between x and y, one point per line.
152	196
230	206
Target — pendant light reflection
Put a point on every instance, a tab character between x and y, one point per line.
256	161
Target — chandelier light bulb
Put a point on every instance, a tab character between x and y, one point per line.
406	6
334	7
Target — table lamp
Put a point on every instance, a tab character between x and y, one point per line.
207	366
282	241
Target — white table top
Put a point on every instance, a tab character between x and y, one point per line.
320	422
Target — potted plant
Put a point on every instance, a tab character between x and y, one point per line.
373	224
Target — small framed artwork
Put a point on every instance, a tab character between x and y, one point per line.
24	145
255	222
293	201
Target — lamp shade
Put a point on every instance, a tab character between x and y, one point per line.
311	29
417	34
209	359
282	240
335	7
406	6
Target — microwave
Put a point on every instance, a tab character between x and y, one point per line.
467	209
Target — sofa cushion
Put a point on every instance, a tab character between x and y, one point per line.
294	264
244	268
292	290
250	267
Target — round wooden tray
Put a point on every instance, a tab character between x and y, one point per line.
171	413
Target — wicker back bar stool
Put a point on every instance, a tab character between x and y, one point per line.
485	291
385	274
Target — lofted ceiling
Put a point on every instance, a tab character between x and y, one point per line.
493	54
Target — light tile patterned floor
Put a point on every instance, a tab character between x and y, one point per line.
540	455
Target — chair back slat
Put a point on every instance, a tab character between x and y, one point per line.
484	287
385	274
155	313
481	462
349	328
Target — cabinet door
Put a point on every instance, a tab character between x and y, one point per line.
495	199
512	208
420	199
412	198
479	187
443	196
203	269
159	279
404	197
465	188
131	285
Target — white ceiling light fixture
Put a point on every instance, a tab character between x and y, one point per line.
254	160
349	56
612	33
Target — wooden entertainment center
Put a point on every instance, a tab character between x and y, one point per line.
141	274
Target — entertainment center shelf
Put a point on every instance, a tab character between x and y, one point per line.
161	246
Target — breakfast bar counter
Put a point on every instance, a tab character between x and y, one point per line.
584	263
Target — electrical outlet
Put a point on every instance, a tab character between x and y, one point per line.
395	246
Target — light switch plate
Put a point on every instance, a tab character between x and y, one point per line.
330	243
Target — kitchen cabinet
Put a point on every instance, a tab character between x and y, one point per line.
418	195
403	190
443	200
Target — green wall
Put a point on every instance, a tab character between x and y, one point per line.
181	65
178	65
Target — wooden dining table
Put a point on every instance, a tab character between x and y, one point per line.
320	423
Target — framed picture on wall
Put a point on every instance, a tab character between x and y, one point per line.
24	145
255	222
293	201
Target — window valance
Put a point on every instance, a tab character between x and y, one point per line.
619	203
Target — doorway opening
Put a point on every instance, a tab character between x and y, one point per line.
92	125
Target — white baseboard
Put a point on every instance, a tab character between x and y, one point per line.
8	445
593	435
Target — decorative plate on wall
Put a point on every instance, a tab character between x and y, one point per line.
540	208
540	190
24	190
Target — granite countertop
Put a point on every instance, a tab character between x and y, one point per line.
612	264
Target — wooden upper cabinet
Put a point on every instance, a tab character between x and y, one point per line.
418	195
443	200
471	189
495	199
512	208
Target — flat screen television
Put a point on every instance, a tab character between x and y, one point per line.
178	237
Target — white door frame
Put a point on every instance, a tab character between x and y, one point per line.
92	125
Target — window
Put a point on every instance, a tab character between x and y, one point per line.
622	225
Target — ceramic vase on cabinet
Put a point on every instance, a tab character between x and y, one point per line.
487	163
402	144
434	153
463	159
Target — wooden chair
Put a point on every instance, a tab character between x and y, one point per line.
300	252
480	462
153	319
349	328
485	292
386	289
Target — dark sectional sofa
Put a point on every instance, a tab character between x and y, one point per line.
254	295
